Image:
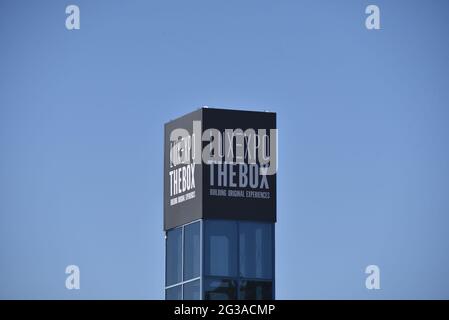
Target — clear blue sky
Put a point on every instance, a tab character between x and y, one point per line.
363	131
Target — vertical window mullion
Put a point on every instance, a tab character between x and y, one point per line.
238	261
182	263
201	260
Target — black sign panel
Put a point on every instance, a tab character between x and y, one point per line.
220	164
182	201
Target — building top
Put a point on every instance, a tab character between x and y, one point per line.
220	164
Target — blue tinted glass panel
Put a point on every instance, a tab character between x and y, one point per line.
256	290
221	248
192	290
220	289
173	293
192	251
255	250
173	256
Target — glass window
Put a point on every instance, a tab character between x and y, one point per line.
192	251
173	293
256	290
173	256
255	250
221	248
192	290
220	289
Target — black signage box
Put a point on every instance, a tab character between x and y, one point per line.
236	191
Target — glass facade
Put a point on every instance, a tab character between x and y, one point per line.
192	290
254	256
221	248
220	260
173	256
174	293
192	251
255	290
182	265
220	289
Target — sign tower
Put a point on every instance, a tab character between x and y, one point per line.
220	205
